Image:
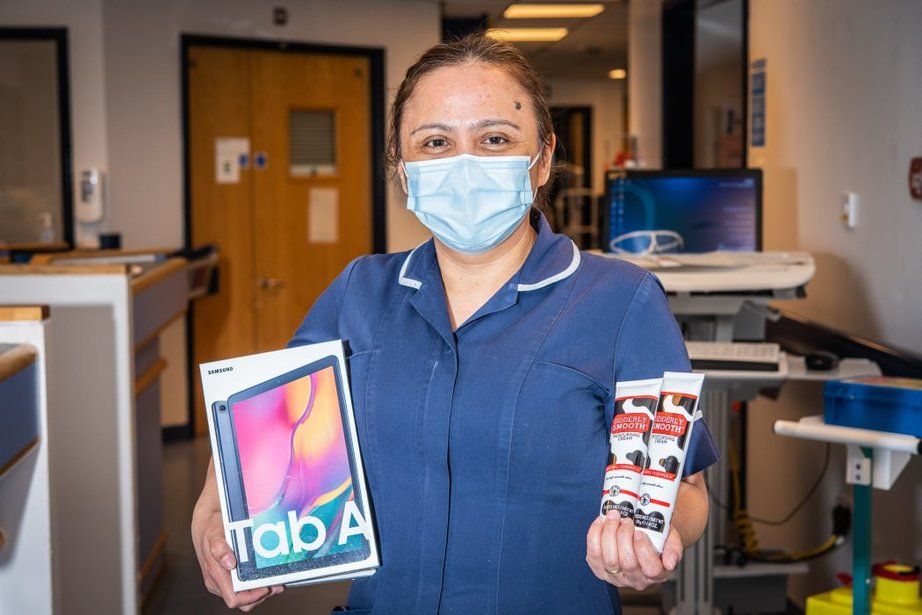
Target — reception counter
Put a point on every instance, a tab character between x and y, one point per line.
104	362
25	489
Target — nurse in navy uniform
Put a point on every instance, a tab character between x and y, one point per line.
483	366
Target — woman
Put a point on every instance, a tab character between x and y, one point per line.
483	365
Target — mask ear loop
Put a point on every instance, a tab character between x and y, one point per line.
533	162
406	178
534	193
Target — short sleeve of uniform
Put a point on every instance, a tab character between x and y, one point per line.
321	324
650	343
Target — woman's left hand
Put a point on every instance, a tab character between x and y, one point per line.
624	557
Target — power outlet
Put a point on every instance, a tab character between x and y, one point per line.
850	209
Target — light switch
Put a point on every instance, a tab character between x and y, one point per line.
850	209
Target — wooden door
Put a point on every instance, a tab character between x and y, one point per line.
299	209
313	199
219	213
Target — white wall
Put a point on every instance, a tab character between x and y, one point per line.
645	80
126	103
844	112
143	90
606	97
87	94
125	87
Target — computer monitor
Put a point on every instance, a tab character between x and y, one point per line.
710	210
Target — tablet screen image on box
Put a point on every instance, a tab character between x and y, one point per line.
290	475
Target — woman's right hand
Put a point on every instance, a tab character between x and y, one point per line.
215	556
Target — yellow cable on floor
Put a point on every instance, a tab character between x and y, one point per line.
747	531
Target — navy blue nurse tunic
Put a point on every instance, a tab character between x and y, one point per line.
485	447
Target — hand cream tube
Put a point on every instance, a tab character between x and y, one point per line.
635	405
672	428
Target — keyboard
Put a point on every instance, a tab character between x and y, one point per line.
735	356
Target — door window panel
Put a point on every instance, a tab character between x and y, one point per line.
32	208
312	138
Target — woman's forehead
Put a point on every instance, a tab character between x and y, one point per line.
466	95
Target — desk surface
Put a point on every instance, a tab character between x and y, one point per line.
726	272
23	312
847	368
748	385
793	367
143	275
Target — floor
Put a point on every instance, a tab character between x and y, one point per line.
180	589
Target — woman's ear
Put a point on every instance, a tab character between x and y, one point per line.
547	158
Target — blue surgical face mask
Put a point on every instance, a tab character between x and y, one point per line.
470	203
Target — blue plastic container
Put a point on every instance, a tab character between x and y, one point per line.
879	403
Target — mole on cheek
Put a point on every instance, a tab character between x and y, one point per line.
518	105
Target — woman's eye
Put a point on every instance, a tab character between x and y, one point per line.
436	143
496	140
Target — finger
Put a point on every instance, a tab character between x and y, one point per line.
236	599
626	547
222	553
609	541
246	600
274	590
210	585
597	567
594	548
650	564
249	607
594	539
672	550
225	587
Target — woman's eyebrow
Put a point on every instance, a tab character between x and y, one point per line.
487	123
495	122
442	127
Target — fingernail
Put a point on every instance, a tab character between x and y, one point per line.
611	514
638	535
670	560
227	561
627	520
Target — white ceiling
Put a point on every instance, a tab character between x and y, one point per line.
593	47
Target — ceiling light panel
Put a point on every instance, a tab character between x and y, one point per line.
553	11
524	35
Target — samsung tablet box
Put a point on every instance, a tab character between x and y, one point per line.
292	490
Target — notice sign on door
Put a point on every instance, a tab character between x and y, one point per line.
323	215
229	154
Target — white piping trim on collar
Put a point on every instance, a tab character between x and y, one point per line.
403	279
574	264
572	267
